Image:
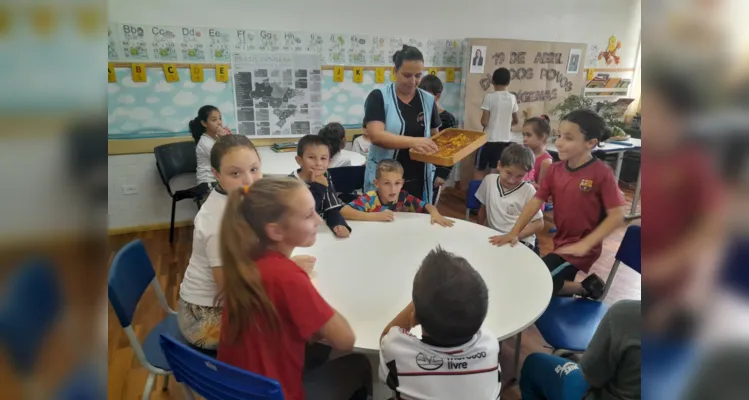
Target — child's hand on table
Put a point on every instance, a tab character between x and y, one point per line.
307	263
341	231
442	221
501	240
386	216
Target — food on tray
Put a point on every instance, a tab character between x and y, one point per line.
450	143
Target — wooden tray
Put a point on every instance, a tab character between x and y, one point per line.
478	140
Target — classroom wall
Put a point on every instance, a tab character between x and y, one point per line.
586	21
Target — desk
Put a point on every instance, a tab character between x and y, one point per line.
619	150
282	164
368	277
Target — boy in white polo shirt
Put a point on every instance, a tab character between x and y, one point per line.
504	195
455	358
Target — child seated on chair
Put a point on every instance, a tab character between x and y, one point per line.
380	204
588	205
313	157
455	358
504	195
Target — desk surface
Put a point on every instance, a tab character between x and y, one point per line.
282	163
607	147
368	277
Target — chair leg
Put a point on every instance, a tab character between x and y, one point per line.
165	385
468	214
518	338
171	225
149	386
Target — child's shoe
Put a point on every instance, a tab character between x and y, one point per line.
594	286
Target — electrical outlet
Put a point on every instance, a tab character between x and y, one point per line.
129	189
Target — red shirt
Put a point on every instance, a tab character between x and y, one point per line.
532	175
301	311
581	198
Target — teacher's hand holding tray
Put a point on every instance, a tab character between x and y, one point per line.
453	145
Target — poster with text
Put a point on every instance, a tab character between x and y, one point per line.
113	54
164	42
134	42
277	94
192	44
220	44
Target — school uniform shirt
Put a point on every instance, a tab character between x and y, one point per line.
203	154
361	145
500	105
370	202
581	197
302	312
327	203
417	370
198	286
345	158
503	207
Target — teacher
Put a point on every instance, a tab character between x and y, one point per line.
400	117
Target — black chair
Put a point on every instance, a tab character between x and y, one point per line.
347	180
172	160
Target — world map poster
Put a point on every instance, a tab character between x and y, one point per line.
277	94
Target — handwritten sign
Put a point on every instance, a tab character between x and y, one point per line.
358	74
139	72
337	74
170	73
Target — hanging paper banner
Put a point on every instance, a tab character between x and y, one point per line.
139	72
392	74
450	75
591	74
196	72
379	75
170	73
222	73
433	71
358	74
111	77
337	74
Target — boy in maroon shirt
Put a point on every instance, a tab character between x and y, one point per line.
588	205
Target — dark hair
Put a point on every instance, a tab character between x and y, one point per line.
540	126
310	140
501	77
517	154
196	128
545	118
333	133
678	92
388	165
450	298
592	125
432	84
224	144
407	53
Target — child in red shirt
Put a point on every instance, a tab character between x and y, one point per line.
588	205
271	310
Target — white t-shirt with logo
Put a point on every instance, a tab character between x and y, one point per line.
198	286
500	105
346	158
203	154
503	207
419	371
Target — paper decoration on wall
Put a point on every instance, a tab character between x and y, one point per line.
609	55
139	72
111	76
219	44
277	94
573	63
192	45
292	42
196	72
269	40
112	51
358	74
43	20
357	50
337	74
222	73
170	72
591	74
134	43
478	56
379	51
335	49
380	75
163	43
432	71
392	74
450	75
315	45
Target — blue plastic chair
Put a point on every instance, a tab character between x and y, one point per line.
213	379
472	203
129	276
347	181
569	323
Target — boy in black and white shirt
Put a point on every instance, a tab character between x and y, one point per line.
455	358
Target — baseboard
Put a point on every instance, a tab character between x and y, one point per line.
148	227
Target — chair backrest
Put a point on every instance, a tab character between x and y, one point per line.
630	249
129	275
213	379
472	202
31	304
347	179
175	159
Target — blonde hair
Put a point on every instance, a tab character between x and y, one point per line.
243	240
388	165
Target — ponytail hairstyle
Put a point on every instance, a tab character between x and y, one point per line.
196	128
243	239
592	125
407	53
225	144
333	134
546	118
541	126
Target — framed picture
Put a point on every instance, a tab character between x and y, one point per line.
573	64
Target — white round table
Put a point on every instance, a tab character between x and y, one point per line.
283	164
368	277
